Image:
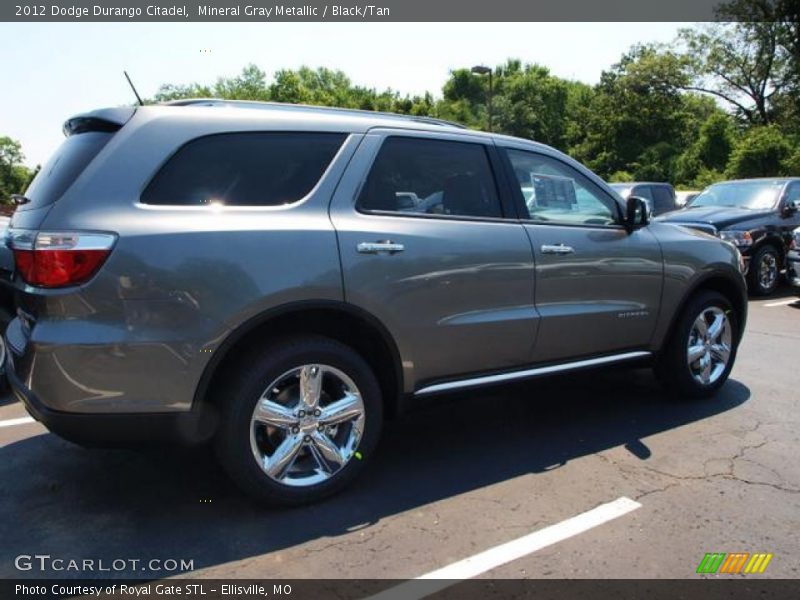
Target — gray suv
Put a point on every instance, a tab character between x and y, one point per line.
281	279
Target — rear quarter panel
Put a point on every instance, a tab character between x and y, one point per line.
139	335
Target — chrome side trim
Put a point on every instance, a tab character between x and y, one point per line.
486	379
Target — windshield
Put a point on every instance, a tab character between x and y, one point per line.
753	195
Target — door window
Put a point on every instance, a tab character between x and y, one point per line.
663	201
554	192
431	177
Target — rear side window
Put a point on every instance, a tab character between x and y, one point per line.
244	169
63	168
433	177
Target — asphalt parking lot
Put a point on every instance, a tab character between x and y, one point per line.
456	478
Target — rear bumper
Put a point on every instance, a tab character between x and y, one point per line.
108	429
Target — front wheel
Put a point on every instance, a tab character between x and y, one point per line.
699	356
299	420
763	275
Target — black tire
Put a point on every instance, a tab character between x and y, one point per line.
245	387
754	282
672	367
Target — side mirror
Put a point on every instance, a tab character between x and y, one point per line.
637	213
792	206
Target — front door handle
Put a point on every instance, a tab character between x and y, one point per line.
557	249
386	247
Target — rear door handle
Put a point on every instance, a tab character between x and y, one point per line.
557	249
386	247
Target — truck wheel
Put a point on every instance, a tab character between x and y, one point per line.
763	274
700	354
299	420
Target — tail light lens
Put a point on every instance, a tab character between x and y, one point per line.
59	259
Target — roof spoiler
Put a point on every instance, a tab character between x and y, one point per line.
106	119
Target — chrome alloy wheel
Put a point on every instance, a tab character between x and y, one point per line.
306	425
709	348
767	271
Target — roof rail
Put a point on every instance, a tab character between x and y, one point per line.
261	105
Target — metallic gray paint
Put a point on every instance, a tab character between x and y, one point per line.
464	296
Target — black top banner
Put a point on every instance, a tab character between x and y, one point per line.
254	11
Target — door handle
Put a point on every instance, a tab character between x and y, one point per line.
386	247
557	249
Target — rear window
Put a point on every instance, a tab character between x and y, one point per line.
63	168
244	169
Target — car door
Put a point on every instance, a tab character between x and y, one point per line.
427	248
598	286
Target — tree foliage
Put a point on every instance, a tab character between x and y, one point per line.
14	176
722	100
763	151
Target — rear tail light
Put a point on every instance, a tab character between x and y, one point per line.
59	259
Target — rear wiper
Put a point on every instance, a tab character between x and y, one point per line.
19	199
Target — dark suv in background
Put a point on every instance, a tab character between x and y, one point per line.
278	279
660	197
758	216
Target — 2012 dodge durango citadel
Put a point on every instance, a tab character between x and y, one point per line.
279	279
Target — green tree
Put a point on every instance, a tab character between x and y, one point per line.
762	152
746	64
637	118
708	155
14	176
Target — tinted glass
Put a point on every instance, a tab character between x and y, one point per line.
643	191
63	168
663	200
555	192
244	169
433	177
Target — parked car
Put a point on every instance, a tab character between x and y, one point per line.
6	294
793	259
685	196
254	274
756	215
660	197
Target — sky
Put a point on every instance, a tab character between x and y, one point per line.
51	71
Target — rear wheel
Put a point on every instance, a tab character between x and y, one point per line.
699	356
299	420
763	274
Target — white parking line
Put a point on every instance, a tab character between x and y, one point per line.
505	553
20	421
781	303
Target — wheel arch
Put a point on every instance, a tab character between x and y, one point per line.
718	281
341	321
772	239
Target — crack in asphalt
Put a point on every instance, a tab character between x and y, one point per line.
729	474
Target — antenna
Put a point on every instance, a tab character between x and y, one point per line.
134	89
